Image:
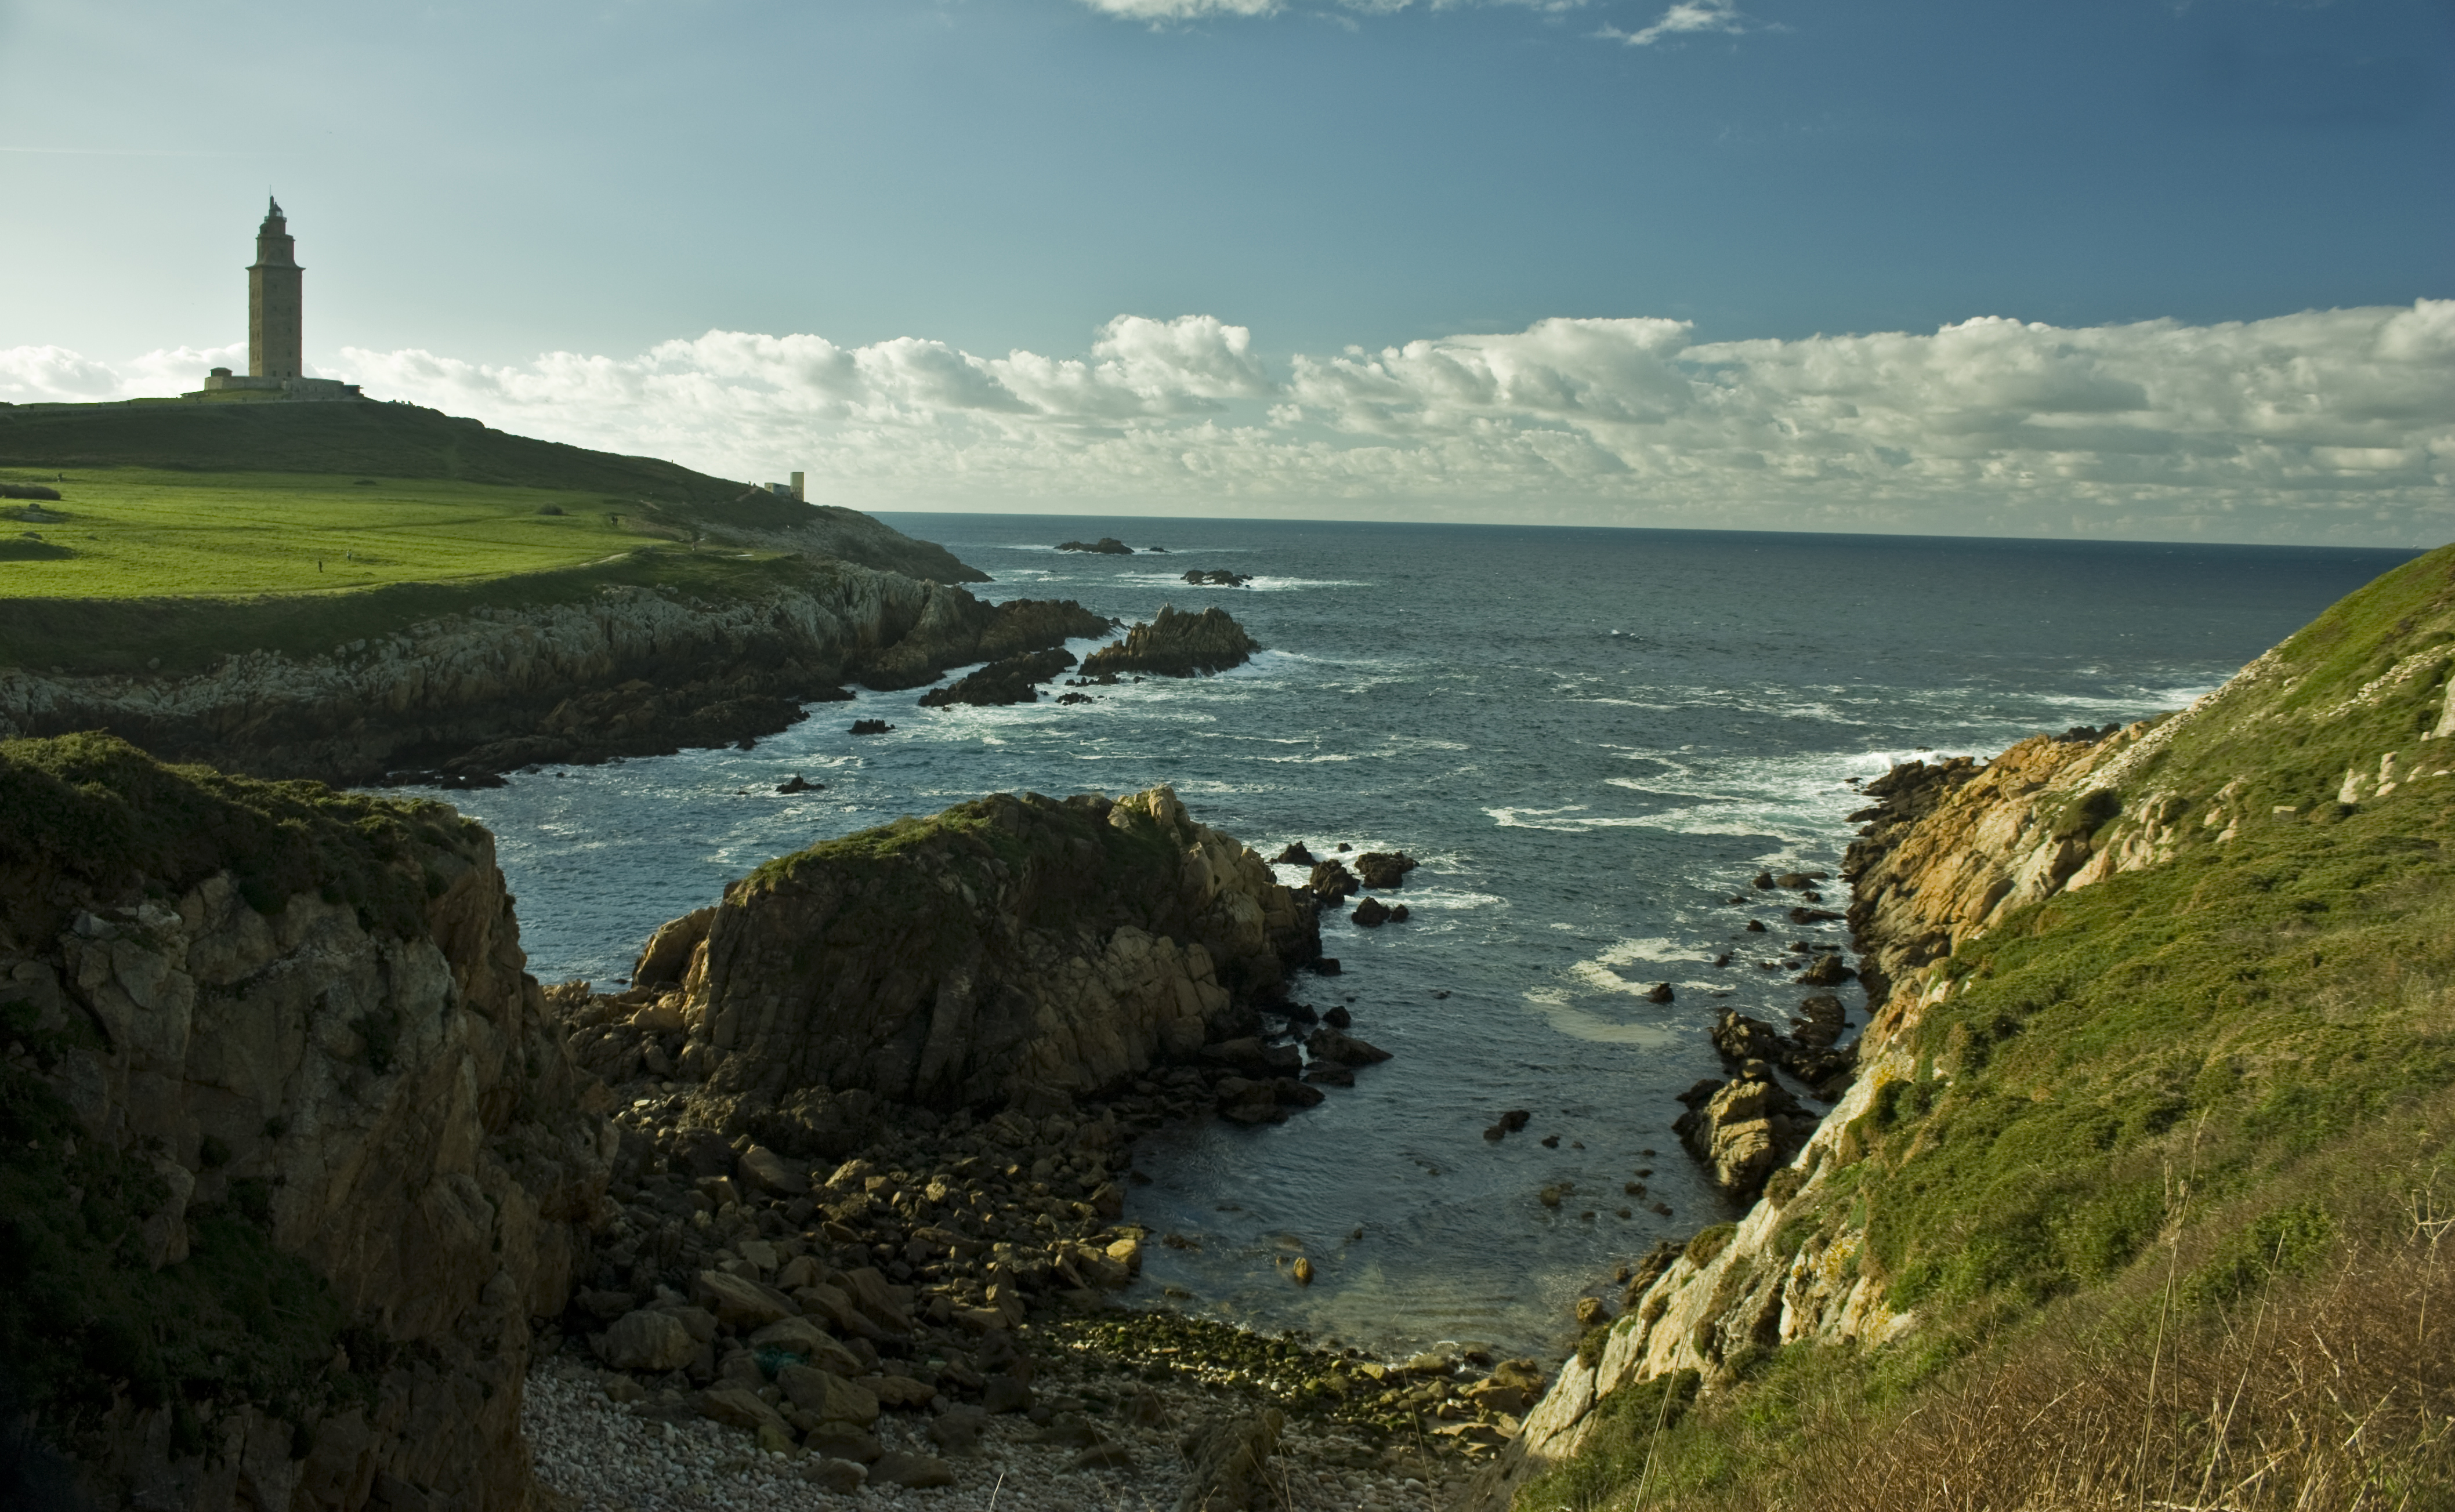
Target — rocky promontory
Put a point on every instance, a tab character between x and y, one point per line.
630	671
1006	944
1010	679
1174	644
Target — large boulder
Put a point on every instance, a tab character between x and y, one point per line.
1011	943
650	1340
1742	1130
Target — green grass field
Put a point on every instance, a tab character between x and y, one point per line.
140	534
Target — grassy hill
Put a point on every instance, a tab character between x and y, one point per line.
348	441
186	529
130	533
2165	1197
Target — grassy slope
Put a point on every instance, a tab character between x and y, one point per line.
131	636
347	440
2168	1112
190	531
129	534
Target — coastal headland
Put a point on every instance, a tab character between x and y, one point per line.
202	593
328	1203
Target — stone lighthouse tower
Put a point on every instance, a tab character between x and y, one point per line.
276	333
275	337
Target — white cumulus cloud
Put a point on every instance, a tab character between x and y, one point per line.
2325	426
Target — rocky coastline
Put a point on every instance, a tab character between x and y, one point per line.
455	700
1946	848
812	1226
284	1091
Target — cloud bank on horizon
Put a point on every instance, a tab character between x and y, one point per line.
2327	427
1681	17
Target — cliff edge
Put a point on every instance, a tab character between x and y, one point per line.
303	1153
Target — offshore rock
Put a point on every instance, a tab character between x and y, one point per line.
1012	945
1176	645
1105	546
1383	870
1331	883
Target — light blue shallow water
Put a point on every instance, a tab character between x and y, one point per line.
1590	738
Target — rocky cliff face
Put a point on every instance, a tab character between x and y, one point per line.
638	671
1007	944
313	1154
2340	718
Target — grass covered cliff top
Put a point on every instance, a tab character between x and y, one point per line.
88	820
395	513
136	534
346	440
2166	1190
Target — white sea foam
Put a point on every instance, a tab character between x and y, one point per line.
1579	1023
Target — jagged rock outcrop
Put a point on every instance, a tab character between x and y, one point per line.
634	672
1010	680
1174	644
313	1153
1008	944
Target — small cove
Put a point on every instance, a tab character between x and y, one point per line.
1591	738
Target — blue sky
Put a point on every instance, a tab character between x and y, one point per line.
475	186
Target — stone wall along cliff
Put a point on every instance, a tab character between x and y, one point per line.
1008	944
321	1153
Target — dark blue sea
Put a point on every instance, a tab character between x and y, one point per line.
1590	738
